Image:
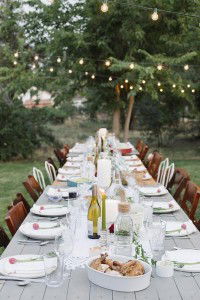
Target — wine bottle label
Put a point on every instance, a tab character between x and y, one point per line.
91	229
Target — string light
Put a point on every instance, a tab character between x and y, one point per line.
159	67
110	78
36	57
121	86
158	84
16	54
140	88
107	63
86	73
15	62
188	86
104	7
126	80
81	61
131	66
186	67
161	90
70	71
143	81
93	76
51	69
174	86
182	91
193	91
33	66
154	15
58	60
131	87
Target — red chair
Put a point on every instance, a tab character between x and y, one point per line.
190	200
33	188
154	164
4	239
15	217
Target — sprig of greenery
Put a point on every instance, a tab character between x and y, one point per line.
140	253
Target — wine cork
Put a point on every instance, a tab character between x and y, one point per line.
124	207
122	195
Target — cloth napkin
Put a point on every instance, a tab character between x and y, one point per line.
47	230
154	190
49	210
172	226
78	158
72	164
166	206
57	192
68	172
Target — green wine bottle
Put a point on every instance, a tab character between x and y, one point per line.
94	212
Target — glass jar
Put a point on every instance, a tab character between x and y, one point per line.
123	230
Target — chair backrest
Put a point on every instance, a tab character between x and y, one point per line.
139	145
50	161
154	164
143	152
65	149
190	200
178	176
51	172
15	217
33	188
4	240
169	174
38	175
162	170
20	197
60	156
35	185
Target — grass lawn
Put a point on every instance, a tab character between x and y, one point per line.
185	154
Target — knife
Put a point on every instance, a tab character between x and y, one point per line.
22	279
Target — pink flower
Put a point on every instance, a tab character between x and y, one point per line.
170	205
36	226
184	226
41	207
58	190
12	260
63	176
158	190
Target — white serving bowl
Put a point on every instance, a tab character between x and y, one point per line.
120	283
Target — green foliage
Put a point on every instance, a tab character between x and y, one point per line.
21	130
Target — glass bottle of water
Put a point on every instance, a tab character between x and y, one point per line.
123	230
114	191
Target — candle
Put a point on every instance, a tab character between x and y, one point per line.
104	172
103	208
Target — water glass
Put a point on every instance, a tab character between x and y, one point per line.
156	235
55	278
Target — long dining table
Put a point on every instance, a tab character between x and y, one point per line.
182	285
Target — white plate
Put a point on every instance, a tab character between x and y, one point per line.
157	190
165	207
137	169
49	210
67	172
33	269
55	191
174	228
184	256
120	283
46	231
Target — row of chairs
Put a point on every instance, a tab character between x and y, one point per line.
34	184
176	180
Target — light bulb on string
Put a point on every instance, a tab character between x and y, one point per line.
70	71
86	73
182	91
188	86
15	62
107	63
16	54
110	78
131	66
161	90
193	91
186	67
36	57
158	84
143	81
81	61
159	67
93	76
126	80
174	86
140	88
104	7
131	87
58	60
33	66
51	69
154	15
121	86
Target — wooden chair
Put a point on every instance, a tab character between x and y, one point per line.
143	152
65	149
50	161
4	239
20	197
60	156
15	217
154	164
39	177
139	145
33	188
178	176
190	200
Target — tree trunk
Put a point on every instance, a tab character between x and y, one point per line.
128	118
116	113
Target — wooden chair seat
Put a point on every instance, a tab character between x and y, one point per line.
15	217
4	239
